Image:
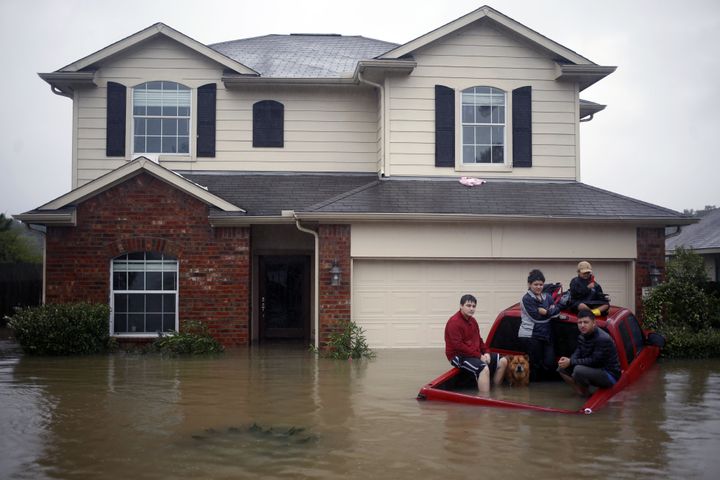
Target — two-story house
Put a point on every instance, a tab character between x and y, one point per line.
278	186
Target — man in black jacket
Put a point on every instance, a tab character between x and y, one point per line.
595	360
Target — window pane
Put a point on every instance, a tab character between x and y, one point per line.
183	145
154	281
468	114
498	155
154	126
154	110
169	111
153	145
168	302
136	281
468	135
139	126
498	135
468	154
153	256
120	323
184	111
498	114
153	303
154	322
120	280
168	322
169	281
482	114
482	135
482	154
136	256
183	126
136	303
154	85
169	145
120	302
136	322
169	126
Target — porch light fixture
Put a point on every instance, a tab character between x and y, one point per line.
655	275
335	274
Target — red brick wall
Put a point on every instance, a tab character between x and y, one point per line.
145	214
650	251
334	301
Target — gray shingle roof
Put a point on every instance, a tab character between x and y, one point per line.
702	235
268	194
303	55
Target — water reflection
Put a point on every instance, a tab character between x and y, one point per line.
282	413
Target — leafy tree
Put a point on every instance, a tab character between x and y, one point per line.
13	246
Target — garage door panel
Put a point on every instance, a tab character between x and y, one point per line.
405	303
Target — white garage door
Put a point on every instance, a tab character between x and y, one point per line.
405	304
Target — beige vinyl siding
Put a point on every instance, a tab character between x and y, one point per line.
333	128
482	55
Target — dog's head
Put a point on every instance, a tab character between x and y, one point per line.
518	369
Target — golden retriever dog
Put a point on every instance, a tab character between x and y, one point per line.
517	373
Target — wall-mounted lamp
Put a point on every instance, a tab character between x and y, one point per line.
655	275
335	274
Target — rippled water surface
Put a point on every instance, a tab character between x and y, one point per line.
279	412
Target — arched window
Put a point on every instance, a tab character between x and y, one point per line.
144	293
483	125
161	118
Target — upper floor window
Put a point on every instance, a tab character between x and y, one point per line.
268	123
144	293
483	125
161	118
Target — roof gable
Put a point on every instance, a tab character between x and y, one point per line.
485	12
150	32
131	169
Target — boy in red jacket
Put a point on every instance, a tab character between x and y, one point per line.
465	349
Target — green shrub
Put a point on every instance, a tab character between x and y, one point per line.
346	344
194	339
683	343
686	299
62	329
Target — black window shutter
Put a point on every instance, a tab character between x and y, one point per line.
522	126
268	124
115	126
444	126
206	120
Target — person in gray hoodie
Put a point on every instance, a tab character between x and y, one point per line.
535	334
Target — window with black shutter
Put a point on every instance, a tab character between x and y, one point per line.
268	124
444	126
522	127
207	95
115	126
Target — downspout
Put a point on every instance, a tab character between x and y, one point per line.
316	299
381	172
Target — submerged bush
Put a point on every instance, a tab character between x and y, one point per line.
194	339
346	344
62	329
683	343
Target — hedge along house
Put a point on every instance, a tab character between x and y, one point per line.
279	186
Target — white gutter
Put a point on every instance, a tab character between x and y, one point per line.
316	299
381	172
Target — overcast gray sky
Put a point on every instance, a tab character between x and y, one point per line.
657	140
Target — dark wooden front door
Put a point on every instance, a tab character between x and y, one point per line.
284	297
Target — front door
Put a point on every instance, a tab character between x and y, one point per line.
284	297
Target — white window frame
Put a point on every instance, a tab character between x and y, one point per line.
506	165
189	118
164	262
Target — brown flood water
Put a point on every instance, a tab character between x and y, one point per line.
279	412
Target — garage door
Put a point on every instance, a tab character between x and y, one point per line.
405	304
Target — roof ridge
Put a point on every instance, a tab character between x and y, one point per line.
342	196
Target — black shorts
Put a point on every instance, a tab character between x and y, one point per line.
474	365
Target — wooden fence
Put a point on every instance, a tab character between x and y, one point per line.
20	285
